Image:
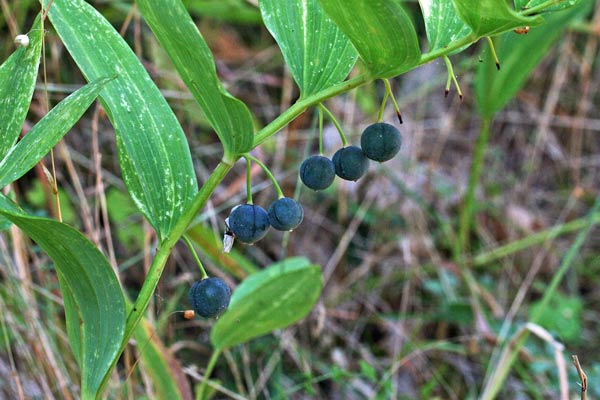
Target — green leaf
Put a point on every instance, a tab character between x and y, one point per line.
179	36
380	30
271	299
317	52
236	11
94	304
47	132
562	315
17	82
153	152
519	54
442	23
490	17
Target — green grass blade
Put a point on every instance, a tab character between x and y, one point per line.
160	365
17	82
179	36
271	299
315	49
47	132
442	24
519	54
94	304
490	17
153	152
381	31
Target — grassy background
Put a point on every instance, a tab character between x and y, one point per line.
397	318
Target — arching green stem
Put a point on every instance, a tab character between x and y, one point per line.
267	171
190	246
336	123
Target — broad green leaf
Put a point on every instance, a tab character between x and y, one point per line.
17	82
490	17
271	299
47	132
168	379
7	204
179	36
317	52
153	152
380	30
519	54
237	11
94	304
442	23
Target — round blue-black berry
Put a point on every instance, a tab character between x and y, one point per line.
350	163
317	172
381	141
210	297
249	223
285	214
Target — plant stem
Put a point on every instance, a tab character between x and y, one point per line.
190	245
136	312
382	107
466	213
320	131
335	123
451	77
493	50
248	181
540	7
388	89
211	365
268	172
303	104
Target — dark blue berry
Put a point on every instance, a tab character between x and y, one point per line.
350	163
249	223
210	297
285	214
381	141
317	172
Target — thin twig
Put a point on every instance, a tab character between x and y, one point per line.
582	376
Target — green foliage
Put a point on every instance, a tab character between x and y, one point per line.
490	17
45	134
320	41
190	54
561	316
273	298
396	49
94	305
442	23
153	152
17	82
316	51
519	55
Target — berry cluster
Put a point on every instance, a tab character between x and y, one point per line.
249	222
379	142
